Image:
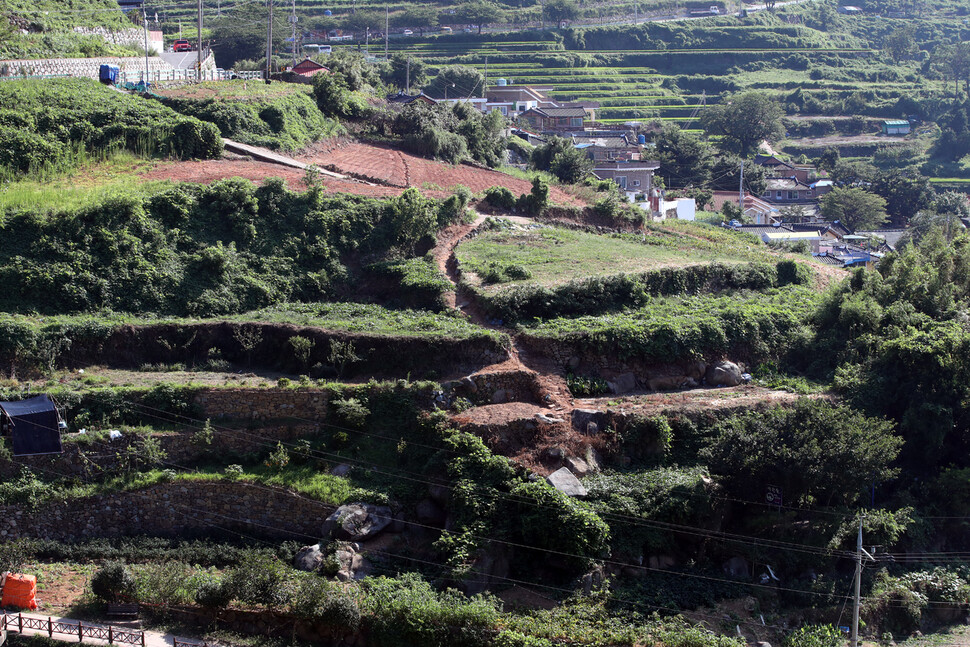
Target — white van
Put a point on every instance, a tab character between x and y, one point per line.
318	49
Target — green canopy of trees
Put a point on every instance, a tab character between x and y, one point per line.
744	121
854	207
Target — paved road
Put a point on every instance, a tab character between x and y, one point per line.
152	638
181	60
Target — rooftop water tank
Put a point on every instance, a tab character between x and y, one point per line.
502	82
641	139
327	13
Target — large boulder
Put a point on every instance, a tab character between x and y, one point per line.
566	482
357	521
309	558
430	513
623	383
723	373
588	421
736	567
352	565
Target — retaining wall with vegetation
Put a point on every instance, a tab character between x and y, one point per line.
171	509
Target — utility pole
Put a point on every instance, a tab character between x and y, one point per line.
293	21
485	87
741	189
144	16
407	82
854	641
199	43
387	28
269	40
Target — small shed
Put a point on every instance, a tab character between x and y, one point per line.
33	424
895	127
309	67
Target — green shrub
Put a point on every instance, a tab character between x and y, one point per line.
258	579
499	197
112	582
212	594
814	636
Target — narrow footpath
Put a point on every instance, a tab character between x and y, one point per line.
152	638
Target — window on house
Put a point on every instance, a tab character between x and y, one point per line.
778	195
576	121
504	110
766	194
620	181
636	183
793	195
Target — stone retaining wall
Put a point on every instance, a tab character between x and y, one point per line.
171	509
132	66
263	404
102	456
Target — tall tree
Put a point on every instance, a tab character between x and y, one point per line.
905	192
854	207
559	11
400	72
454	81
684	157
479	12
744	121
420	18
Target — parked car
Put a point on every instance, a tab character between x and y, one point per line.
182	45
408	32
446	30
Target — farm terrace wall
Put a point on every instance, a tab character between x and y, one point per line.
171	509
103	456
262	404
132	346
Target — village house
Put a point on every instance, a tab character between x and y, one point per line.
633	177
561	120
614	147
309	68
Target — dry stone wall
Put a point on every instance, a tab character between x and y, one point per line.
263	404
171	509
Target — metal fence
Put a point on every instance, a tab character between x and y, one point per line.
20	622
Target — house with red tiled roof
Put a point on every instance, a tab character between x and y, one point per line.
309	67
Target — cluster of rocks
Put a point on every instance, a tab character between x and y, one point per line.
717	374
345	533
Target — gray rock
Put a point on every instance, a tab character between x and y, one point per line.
491	566
309	558
341	470
737	567
723	373
439	494
661	561
624	383
554	453
593	459
357	521
577	466
469	384
573	362
588	421
430	513
500	397
566	482
353	565
549	420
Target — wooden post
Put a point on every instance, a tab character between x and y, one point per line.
20	622
143	639
50	627
111	636
80	632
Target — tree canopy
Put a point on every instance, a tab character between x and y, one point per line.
456	81
479	12
684	157
559	11
854	207
744	121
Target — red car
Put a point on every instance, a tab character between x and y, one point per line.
182	45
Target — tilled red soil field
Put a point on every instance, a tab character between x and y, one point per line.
386	164
208	171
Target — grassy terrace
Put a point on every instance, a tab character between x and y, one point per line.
683	327
551	256
348	317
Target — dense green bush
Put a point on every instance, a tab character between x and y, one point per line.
61	120
748	326
202	250
499	197
451	133
112	582
284	121
408	612
597	295
815	451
